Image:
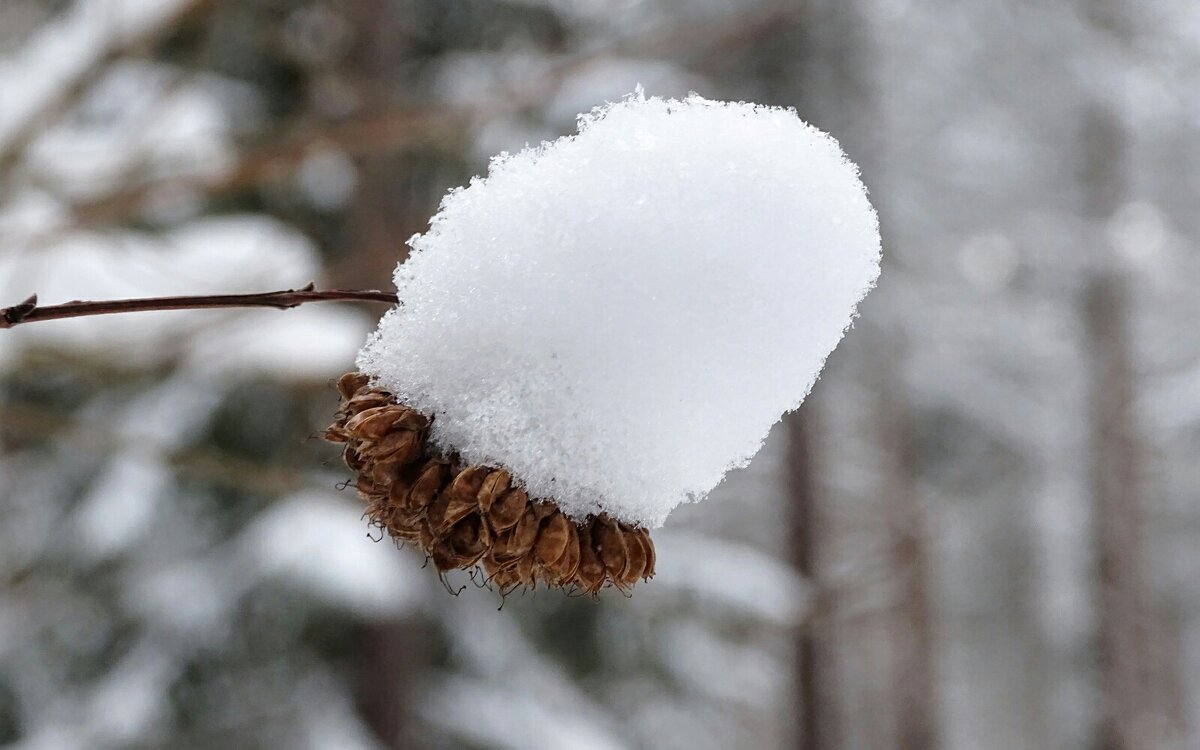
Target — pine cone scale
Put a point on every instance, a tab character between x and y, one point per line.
464	516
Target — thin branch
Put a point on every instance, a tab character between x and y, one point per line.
29	311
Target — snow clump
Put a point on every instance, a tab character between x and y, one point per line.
619	316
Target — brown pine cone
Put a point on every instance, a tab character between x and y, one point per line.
474	516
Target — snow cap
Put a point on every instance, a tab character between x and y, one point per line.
619	316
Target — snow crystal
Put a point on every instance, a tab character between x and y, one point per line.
619	316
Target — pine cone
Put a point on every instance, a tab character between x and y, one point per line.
474	516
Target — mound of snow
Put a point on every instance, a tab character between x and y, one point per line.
619	316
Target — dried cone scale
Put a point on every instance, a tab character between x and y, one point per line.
474	516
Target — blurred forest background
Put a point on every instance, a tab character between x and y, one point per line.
981	531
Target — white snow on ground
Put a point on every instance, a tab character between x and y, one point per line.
621	315
541	705
516	721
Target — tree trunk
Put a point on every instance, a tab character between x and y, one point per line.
813	675
393	654
1123	637
914	677
382	217
1126	635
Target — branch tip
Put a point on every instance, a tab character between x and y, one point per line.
17	313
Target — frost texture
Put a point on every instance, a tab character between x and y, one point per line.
619	316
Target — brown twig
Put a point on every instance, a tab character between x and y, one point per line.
29	311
